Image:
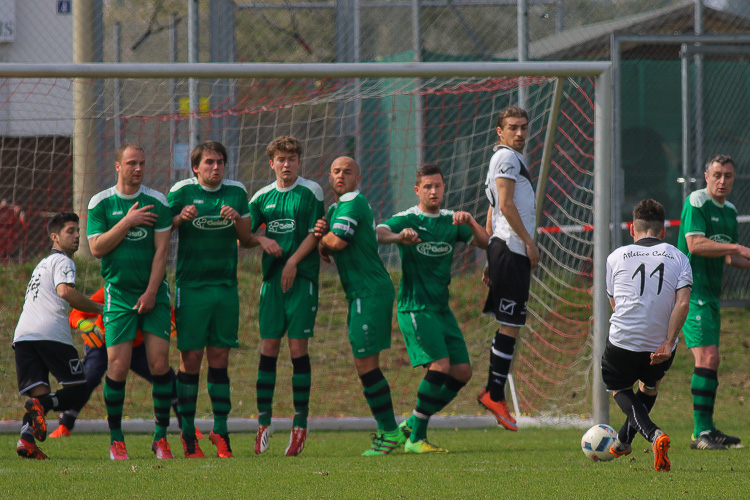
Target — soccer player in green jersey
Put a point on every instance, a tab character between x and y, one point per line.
369	290
426	237
289	207
211	214
128	229
708	236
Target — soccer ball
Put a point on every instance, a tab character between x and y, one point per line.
597	441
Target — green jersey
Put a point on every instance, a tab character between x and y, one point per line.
426	266
128	265
360	268
701	215
290	215
207	251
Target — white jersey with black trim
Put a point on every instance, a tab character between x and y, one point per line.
45	313
509	164
643	279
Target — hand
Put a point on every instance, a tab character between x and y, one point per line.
145	303
269	246
188	213
462	218
321	228
228	213
91	333
662	353
743	251
140	216
533	253
408	236
287	276
486	275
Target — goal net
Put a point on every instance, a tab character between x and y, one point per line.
389	125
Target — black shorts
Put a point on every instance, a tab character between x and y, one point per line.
622	368
36	359
510	277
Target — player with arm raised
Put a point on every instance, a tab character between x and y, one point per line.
128	229
511	254
369	291
427	238
210	213
708	236
289	207
648	283
42	342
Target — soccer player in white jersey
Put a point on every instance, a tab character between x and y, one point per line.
42	341
648	284
511	254
128	229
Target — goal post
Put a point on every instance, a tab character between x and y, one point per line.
455	102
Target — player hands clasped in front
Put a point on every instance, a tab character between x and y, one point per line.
648	284
426	237
511	255
42	341
128	229
708	236
210	214
289	207
369	291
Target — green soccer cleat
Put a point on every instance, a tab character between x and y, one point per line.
422	446
405	428
383	443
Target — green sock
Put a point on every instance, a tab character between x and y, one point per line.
187	395
378	395
429	401
221	403
703	387
265	387
301	380
114	399
161	392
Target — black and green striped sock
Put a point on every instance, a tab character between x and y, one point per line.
703	386
378	395
301	380
114	400
161	392
187	399
221	403
264	388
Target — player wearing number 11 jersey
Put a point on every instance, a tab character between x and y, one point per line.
648	284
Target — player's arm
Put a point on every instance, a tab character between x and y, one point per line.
699	245
738	260
147	301
77	300
676	320
332	242
506	188
241	224
289	272
481	239
406	236
187	213
488	224
102	244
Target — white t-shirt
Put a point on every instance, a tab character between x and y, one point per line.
643	279
45	314
509	164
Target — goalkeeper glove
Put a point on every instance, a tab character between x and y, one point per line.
90	333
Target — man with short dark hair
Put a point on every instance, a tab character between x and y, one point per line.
708	236
42	341
648	283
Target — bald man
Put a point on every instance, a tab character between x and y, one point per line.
352	242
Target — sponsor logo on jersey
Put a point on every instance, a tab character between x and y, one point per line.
198	202
281	226
211	222
721	238
136	234
434	248
272	205
117	212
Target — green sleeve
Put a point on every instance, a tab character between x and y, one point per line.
164	220
396	223
174	198
464	234
693	220
96	223
256	216
347	220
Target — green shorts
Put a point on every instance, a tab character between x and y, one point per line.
431	335
370	320
293	312
207	316
703	323
122	322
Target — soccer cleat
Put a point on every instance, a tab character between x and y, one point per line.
161	449
223	449
620	449
422	446
499	409
198	433
35	410
384	443
261	439
192	449
705	442
661	447
61	432
28	449
117	451
724	439
297	440
376	437
404	426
